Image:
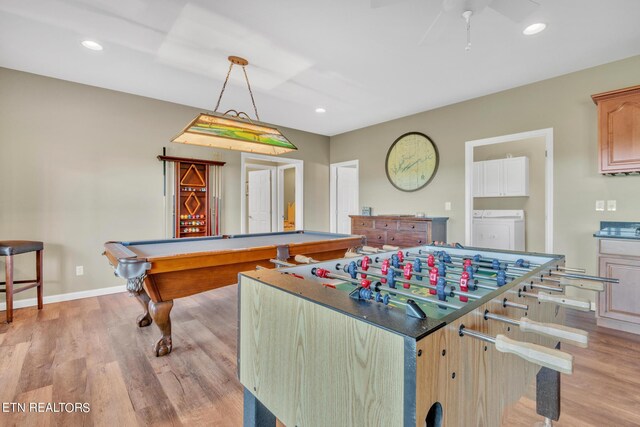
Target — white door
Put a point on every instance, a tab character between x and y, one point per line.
259	201
346	197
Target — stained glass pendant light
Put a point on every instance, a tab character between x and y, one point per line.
235	130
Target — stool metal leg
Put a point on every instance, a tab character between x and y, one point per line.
39	278
8	268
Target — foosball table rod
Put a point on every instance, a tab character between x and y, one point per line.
475	267
576	276
520	265
565	334
588	285
391	279
540	355
323	273
581	304
279	263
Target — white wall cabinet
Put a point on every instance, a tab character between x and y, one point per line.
501	177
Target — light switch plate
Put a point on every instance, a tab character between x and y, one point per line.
79	270
447	206
611	205
599	205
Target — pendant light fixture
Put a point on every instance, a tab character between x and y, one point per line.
235	130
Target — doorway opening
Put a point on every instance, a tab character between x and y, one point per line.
509	184
271	194
343	195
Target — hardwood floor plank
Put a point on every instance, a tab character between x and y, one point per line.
37	368
11	360
70	385
133	351
110	403
33	419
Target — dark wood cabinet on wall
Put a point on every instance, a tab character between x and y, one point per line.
399	230
619	130
192	200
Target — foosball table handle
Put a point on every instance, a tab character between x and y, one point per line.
543	356
564	334
370	249
581	304
390	248
301	259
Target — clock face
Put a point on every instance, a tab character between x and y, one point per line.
412	161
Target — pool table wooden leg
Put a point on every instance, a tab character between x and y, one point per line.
160	312
145	318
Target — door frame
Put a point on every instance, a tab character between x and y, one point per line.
280	210
547	134
245	162
333	195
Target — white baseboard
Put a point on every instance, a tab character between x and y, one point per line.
30	302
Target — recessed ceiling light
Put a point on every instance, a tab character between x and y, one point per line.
90	44
534	29
320	110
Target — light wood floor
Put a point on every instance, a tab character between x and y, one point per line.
90	351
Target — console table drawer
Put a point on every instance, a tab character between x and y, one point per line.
382	224
375	237
412	226
407	239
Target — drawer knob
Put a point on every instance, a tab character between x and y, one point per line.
393	238
419	241
379	237
362	223
386	225
413	226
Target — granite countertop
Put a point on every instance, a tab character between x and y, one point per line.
618	230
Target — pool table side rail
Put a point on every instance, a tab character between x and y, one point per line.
184	261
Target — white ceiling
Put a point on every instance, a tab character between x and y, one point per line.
364	64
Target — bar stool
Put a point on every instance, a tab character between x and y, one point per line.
9	248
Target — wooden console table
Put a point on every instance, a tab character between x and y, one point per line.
399	230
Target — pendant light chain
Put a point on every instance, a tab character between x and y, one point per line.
253	101
224	86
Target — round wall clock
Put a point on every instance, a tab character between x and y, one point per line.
412	161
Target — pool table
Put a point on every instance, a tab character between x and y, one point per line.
159	271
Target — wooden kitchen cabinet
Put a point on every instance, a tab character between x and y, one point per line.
619	304
619	130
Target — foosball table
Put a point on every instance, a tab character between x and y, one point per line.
421	336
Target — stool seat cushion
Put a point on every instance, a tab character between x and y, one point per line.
15	247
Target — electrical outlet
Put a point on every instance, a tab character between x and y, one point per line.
599	205
79	270
447	206
611	205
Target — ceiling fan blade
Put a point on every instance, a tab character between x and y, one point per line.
376	4
442	22
516	10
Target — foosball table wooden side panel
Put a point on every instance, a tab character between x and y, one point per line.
312	366
474	385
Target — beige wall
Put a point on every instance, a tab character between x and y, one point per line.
534	205
78	167
562	103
